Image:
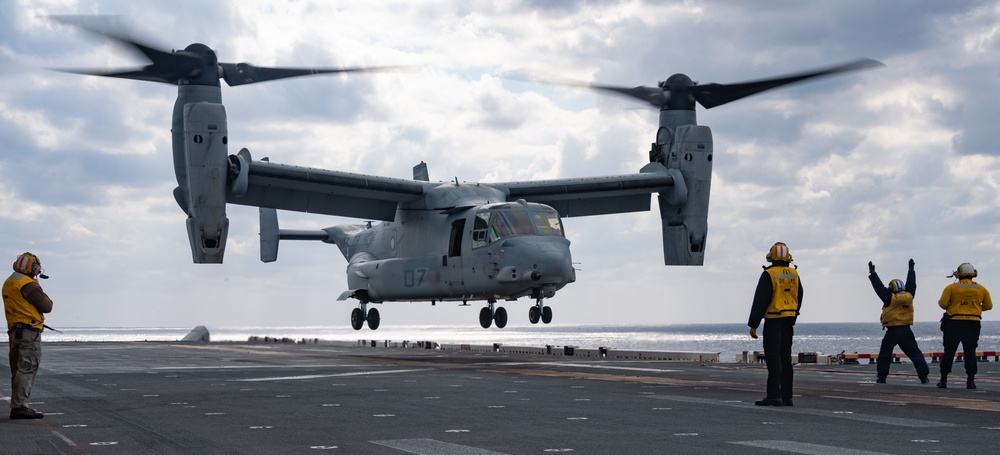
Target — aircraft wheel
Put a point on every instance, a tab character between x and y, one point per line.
546	315
533	315
357	319
373	319
485	318
500	317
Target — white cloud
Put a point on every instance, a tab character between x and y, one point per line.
881	165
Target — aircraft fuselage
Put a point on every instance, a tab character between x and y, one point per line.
478	250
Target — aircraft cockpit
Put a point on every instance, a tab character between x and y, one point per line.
499	221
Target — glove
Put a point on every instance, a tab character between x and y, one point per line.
753	332
871	267
911	264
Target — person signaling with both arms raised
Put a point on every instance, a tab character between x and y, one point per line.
897	317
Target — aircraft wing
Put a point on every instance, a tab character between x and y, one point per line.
311	190
594	195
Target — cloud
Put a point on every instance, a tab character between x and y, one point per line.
879	165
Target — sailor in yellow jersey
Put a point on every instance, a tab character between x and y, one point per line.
964	302
897	317
24	304
777	300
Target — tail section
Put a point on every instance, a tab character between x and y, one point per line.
271	234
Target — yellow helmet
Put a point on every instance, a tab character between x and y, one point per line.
966	270
779	252
27	264
896	285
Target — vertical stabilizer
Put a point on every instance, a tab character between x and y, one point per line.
420	172
269	234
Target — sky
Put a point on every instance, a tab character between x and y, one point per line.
880	165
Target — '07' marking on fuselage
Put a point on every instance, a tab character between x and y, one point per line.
414	277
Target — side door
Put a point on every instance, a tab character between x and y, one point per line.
453	263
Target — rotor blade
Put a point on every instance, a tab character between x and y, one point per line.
654	96
113	28
140	74
245	73
712	95
166	66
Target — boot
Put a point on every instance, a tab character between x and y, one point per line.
768	402
971	382
943	383
25	413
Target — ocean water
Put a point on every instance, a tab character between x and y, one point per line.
730	340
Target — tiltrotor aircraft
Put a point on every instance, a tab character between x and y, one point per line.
436	241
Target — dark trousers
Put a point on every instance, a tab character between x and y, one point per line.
778	334
903	337
25	355
967	333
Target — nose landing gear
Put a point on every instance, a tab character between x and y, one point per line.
361	314
490	314
540	311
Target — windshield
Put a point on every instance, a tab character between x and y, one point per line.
497	223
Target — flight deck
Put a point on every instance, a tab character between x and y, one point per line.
171	397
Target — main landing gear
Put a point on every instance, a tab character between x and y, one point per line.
362	314
540	311
492	313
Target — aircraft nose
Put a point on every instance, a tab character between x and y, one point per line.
551	263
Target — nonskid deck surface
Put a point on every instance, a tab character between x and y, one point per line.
148	397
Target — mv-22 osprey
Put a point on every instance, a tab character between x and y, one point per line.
437	241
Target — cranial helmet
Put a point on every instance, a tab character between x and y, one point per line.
966	270
779	252
27	264
896	285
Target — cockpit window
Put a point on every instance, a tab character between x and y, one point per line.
548	223
520	222
492	224
499	228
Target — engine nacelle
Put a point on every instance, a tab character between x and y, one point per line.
207	165
685	221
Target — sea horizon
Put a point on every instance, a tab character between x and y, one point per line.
727	339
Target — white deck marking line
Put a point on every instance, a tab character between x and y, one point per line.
901	422
805	448
318	376
581	365
239	367
606	367
427	446
68	441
